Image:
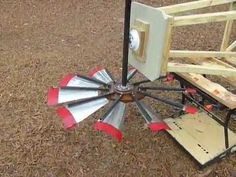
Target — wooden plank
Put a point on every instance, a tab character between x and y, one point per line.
228	30
204	18
168	39
213	62
213	89
200	135
196	54
156	44
199	69
193	5
232	46
231	60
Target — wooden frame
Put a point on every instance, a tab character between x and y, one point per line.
226	51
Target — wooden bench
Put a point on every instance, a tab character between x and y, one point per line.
213	91
206	136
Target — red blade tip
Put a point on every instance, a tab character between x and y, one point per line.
109	129
190	109
53	96
67	118
159	126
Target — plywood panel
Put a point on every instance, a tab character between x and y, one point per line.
200	135
159	24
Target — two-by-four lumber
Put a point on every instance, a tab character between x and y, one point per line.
203	54
198	69
232	46
228	29
204	18
168	39
193	5
214	62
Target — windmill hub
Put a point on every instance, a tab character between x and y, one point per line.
123	89
126	93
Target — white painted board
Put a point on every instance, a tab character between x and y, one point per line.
158	22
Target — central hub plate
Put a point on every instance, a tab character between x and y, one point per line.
123	89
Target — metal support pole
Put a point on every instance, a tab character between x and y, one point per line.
126	42
226	126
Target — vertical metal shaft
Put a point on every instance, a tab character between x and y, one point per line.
126	42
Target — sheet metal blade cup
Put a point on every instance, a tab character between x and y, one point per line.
77	113
153	120
100	74
76	81
65	95
113	122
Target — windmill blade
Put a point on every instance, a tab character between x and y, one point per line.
153	120
112	121
75	113
77	81
69	94
101	74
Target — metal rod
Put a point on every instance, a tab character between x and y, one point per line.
84	88
92	80
226	126
126	42
111	108
215	117
131	75
142	110
163	89
172	103
146	81
110	75
90	99
141	82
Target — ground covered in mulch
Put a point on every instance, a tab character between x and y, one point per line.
41	41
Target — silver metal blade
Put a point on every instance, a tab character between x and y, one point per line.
75	81
153	119
116	116
77	113
100	74
154	116
113	122
63	95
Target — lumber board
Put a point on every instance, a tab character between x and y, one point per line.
231	60
232	46
157	40
200	135
177	8
206	54
213	89
166	52
228	29
204	18
201	69
213	62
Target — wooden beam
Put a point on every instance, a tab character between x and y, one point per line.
204	18
213	62
166	52
198	69
232	46
193	5
231	60
228	30
200	54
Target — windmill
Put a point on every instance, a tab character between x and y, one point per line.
146	46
